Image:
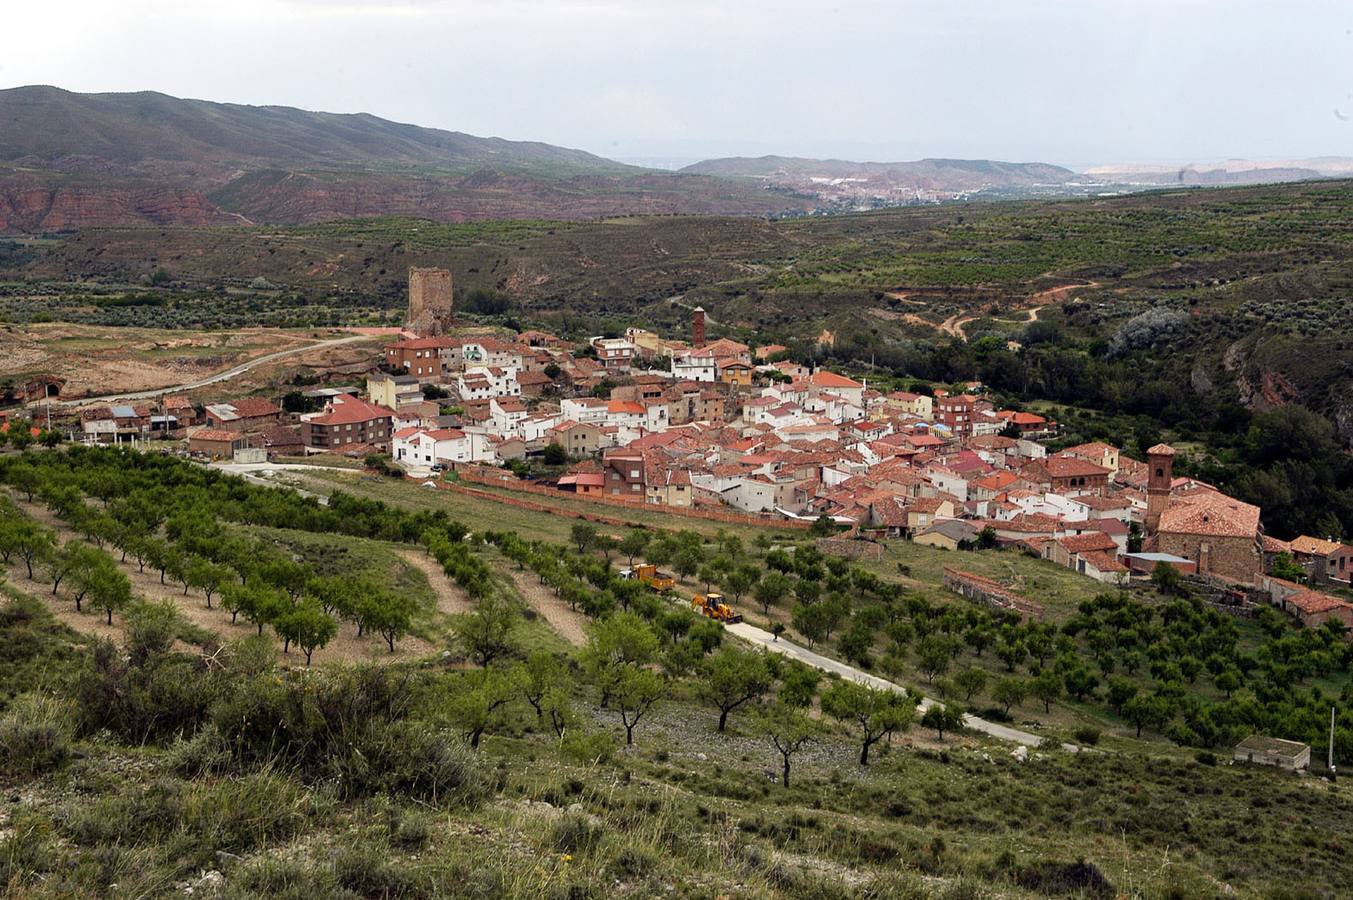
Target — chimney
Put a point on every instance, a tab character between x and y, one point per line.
698	327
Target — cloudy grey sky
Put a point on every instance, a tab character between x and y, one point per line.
1080	82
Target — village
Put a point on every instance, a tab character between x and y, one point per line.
718	426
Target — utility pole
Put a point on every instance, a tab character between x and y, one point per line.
1330	762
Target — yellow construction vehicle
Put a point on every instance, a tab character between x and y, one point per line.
712	605
649	575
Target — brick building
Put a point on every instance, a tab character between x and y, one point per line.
1068	475
247	414
217	443
425	358
624	475
957	413
347	421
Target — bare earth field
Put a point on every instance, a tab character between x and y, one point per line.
94	360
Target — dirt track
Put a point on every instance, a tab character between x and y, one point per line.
565	622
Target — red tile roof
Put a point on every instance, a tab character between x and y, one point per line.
1314	602
351	411
1314	546
1085	543
1210	513
215	434
1103	561
823	378
249	407
1067	467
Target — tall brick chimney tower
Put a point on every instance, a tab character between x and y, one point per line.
698	327
1160	464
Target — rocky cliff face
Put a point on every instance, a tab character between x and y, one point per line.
38	208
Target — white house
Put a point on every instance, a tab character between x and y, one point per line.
752	494
507	413
948	481
625	414
428	447
537	428
487	352
809	431
656	414
694	368
583	409
483	382
613	353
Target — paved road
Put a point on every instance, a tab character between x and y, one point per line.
764	638
219	376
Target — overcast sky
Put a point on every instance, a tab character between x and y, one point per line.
1077	83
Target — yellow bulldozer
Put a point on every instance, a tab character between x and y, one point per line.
713	606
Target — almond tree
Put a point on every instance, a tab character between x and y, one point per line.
636	692
789	730
733	677
876	714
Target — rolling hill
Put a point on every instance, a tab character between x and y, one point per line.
46	125
70	161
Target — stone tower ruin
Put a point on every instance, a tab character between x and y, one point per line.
430	302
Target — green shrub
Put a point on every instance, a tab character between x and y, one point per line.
146	697
576	833
281	879
192	820
634	862
365	868
594	748
35	734
26	851
1080	879
412	760
1087	734
204	753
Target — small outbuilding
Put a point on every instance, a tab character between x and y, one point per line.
1267	751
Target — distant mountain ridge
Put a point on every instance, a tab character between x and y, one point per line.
48	124
940	173
71	161
1231	171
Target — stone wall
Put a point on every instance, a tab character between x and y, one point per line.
507	481
1237	558
980	589
1225	596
